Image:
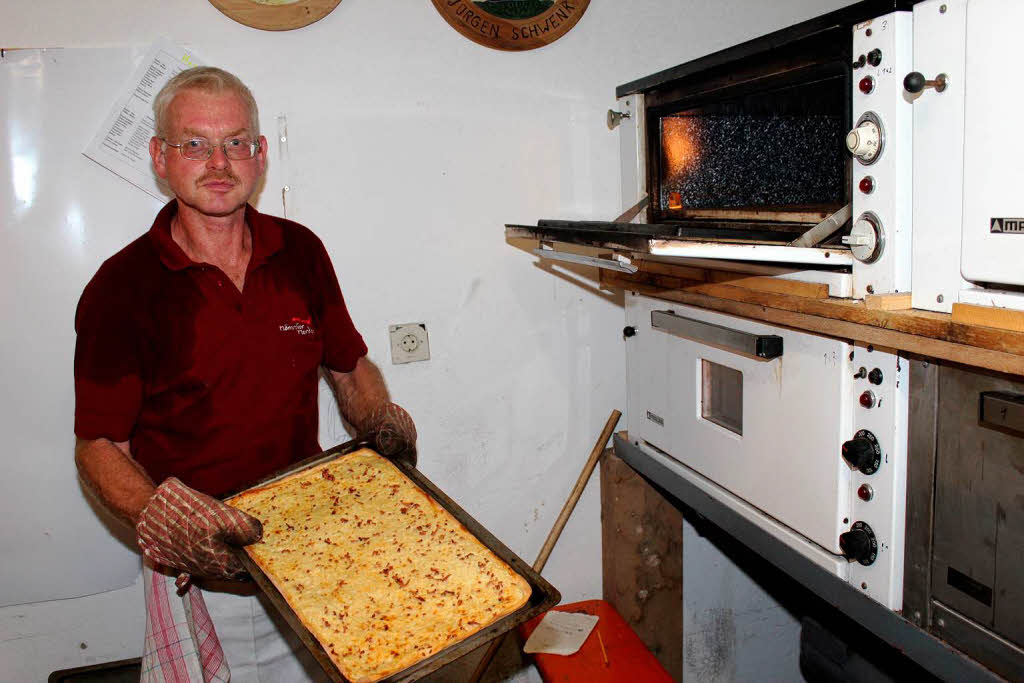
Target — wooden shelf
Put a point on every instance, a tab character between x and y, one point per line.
934	335
989	341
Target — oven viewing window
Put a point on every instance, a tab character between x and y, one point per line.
721	398
771	155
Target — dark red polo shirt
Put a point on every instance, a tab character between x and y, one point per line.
214	386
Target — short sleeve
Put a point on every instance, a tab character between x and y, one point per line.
108	381
343	345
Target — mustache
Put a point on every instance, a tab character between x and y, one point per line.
217	177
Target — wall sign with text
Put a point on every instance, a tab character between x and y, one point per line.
512	24
276	15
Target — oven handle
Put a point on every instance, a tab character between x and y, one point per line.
761	346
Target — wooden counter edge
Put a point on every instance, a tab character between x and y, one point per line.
928	334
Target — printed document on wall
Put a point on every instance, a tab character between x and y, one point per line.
122	142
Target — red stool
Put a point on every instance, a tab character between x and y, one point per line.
628	658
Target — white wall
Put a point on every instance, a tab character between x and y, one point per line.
410	147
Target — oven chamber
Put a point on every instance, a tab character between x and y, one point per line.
752	150
744	152
760	416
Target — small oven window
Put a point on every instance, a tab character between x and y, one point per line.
722	396
757	156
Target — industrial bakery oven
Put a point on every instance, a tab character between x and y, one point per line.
811	153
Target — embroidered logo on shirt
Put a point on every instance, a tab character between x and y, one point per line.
301	326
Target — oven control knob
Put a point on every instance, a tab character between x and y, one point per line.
865	141
866	239
863	452
859	543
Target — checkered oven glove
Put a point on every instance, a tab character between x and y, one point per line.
393	433
183	529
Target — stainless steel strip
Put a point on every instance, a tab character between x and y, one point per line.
586	260
763	346
921	462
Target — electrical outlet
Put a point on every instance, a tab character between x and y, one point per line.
409	343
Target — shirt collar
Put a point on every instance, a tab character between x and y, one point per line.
267	238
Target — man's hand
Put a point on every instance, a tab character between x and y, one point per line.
393	433
191	532
363	400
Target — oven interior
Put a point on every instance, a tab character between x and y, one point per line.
753	150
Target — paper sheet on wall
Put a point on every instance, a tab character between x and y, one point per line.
560	633
122	143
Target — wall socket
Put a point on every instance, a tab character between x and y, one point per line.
409	343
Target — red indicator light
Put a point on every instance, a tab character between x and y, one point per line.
866	85
867	399
865	492
867	184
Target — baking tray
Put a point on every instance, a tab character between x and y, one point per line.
543	595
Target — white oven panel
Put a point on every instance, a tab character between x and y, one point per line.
881	504
633	152
939	35
787	461
993	146
889	202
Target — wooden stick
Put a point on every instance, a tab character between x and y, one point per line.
600	642
556	530
632	212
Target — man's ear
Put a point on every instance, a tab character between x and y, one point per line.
262	154
158	153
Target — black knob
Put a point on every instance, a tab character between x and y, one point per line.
628	331
863	452
875	57
859	544
875	376
914	82
858	452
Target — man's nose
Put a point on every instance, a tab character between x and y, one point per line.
218	159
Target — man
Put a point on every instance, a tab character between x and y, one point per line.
196	368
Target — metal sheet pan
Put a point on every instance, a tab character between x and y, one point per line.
543	595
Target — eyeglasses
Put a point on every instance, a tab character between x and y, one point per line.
237	148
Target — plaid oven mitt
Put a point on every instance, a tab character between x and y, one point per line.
183	529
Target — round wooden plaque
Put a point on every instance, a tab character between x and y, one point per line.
512	24
276	15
